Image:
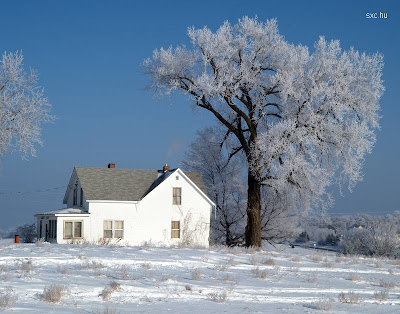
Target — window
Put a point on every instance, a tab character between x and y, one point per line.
107	229
75	201
177	196
175	230
119	229
73	229
113	229
81	197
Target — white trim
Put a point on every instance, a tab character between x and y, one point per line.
108	201
195	186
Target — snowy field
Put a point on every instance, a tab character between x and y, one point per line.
107	279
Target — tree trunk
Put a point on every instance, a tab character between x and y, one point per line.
253	227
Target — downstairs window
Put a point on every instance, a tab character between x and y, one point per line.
113	229
73	229
175	230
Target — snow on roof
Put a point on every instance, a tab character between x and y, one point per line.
65	211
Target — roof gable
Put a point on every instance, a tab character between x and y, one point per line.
115	184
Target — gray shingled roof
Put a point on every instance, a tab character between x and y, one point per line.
125	184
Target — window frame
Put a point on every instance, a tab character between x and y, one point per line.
175	229
176	197
73	229
113	229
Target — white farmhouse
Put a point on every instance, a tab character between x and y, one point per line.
163	207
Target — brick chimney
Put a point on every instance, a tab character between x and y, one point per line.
165	168
111	165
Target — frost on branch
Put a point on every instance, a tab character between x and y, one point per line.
304	119
23	107
223	179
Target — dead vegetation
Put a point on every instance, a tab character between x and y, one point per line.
197	274
219	297
8	298
259	273
350	297
324	304
53	293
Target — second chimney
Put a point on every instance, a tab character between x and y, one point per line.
165	168
111	165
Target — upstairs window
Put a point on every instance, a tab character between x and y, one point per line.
177	196
113	229
175	229
81	197
75	201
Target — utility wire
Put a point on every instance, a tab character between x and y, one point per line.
31	191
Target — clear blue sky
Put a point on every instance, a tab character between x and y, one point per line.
89	54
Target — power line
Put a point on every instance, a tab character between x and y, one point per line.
31	191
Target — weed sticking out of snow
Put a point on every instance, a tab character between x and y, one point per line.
39	243
106	310
295	270
269	262
24	267
8	298
62	269
147	299
106	293
259	273
381	295
254	260
388	284
324	304
219	297
251	250
53	293
355	278
316	258
188	288
340	260
277	268
231	262
147	265
115	286
124	273
221	267
312	279
197	274
350	297
379	264
296	259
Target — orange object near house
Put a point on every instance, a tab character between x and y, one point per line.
16	238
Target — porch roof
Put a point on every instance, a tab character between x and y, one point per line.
65	211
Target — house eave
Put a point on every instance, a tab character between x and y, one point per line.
112	201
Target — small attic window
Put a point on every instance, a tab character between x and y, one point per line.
177	177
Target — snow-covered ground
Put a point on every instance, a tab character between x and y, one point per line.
217	280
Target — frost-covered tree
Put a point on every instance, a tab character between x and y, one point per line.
23	107
304	120
222	176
